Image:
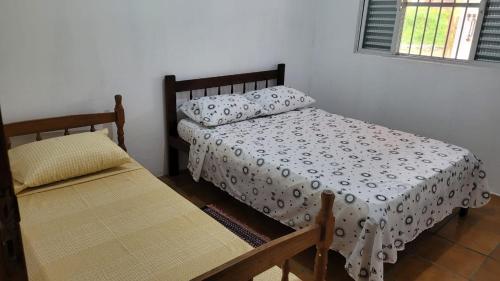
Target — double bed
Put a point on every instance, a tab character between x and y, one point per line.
389	185
123	223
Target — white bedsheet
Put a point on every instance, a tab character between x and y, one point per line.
389	185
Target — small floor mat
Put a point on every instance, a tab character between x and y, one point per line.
243	231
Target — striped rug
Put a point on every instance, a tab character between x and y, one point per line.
243	231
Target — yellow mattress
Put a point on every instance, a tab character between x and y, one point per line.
123	224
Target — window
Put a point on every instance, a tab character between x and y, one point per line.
465	30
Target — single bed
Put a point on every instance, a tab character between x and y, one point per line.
125	224
390	185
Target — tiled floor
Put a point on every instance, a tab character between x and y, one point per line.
456	249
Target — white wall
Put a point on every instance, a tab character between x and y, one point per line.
457	104
65	57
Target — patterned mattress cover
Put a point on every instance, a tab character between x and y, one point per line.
389	185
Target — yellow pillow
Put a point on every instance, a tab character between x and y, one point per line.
61	158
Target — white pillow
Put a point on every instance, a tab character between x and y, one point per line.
279	99
222	109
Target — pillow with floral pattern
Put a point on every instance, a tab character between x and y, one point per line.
279	99
222	109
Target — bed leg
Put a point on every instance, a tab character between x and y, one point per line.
173	162
326	220
463	212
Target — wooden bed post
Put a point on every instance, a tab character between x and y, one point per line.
280	81
12	262
326	220
281	250
463	212
171	124
120	121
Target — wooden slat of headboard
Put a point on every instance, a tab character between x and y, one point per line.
58	123
204	83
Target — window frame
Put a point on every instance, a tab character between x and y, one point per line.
396	39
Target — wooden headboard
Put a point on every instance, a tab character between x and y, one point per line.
67	123
172	88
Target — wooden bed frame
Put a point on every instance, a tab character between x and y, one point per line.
12	262
279	251
173	88
276	252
